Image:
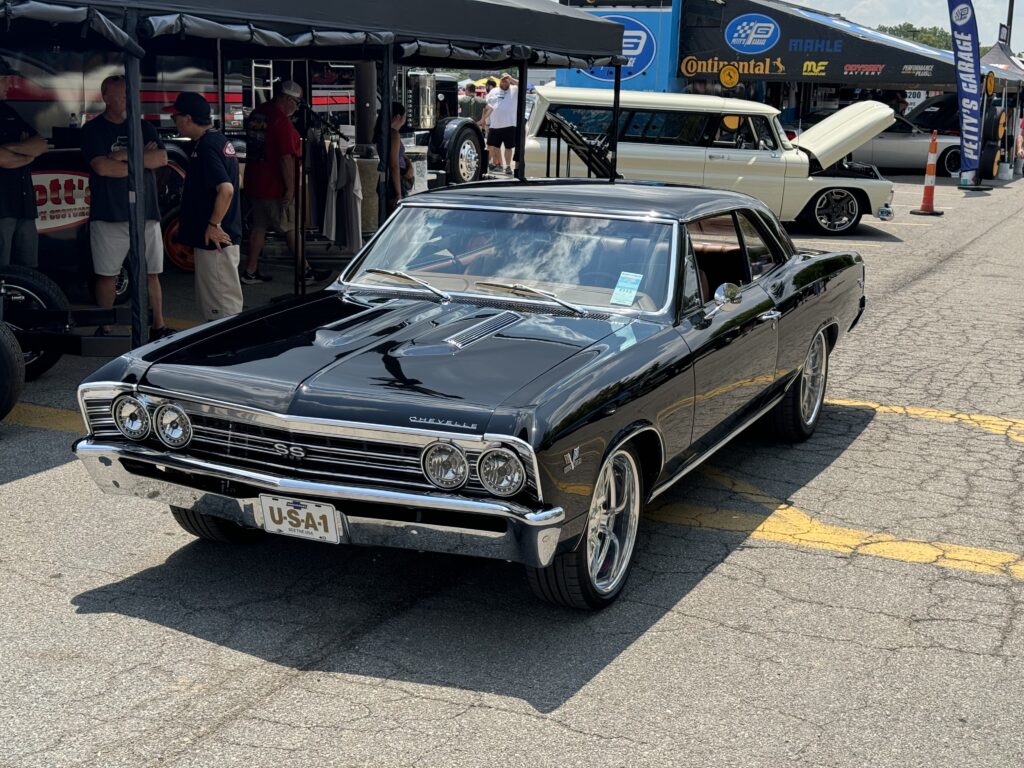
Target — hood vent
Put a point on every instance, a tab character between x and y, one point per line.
488	327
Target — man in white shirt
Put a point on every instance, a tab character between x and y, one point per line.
502	112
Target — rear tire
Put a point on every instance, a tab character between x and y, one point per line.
949	162
592	576
33	290
797	414
214	528
12	370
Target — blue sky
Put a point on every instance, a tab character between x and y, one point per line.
927	13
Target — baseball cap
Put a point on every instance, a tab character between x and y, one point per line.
6	69
291	88
192	104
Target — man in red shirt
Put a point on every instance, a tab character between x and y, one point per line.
272	149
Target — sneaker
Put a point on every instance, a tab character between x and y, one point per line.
252	278
494	168
315	275
160	333
507	170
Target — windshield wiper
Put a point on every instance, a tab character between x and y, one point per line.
519	288
445	298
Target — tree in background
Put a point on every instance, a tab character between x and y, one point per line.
937	37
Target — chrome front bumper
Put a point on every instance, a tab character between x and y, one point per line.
530	536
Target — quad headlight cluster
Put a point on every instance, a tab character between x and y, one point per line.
169	422
500	470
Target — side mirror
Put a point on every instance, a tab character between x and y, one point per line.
727	293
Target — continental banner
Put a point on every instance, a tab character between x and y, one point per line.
964	27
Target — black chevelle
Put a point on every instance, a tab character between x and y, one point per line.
507	370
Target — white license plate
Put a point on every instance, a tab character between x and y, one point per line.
304	519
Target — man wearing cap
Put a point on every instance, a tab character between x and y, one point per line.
104	141
501	111
210	218
19	146
272	146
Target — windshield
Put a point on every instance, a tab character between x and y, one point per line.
598	262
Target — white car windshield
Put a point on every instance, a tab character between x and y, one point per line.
611	264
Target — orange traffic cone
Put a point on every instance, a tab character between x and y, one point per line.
928	197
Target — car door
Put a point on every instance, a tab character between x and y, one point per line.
735	345
663	145
744	155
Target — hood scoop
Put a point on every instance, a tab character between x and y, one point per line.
488	327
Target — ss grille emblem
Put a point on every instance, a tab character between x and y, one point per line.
572	460
295	451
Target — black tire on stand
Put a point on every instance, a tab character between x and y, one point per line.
34	290
590	577
995	124
214	528
12	370
988	165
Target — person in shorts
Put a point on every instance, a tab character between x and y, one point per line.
211	220
19	146
104	141
501	113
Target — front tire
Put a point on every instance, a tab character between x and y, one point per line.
31	289
834	212
464	157
592	576
214	528
797	414
12	370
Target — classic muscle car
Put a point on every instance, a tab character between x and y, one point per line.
726	143
507	370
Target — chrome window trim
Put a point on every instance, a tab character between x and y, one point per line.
618	215
376	433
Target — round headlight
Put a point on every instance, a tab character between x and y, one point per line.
501	472
131	417
445	465
173	426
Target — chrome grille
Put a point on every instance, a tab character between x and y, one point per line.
101	420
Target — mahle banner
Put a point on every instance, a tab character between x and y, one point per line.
964	27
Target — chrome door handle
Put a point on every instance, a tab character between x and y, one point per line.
716	157
771	315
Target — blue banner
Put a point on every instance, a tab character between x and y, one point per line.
969	88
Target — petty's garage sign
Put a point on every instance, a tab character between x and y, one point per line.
62	199
639	46
968	83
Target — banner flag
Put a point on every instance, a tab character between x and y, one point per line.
970	93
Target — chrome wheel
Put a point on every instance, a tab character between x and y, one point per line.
611	528
812	379
469	160
836	210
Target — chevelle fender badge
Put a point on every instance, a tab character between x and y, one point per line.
440	422
572	460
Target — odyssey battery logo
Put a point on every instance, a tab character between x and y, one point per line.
639	46
752	33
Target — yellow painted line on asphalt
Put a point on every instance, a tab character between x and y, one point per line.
787	524
45	417
1011	428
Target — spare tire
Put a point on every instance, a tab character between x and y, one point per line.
12	370
994	127
989	163
31	289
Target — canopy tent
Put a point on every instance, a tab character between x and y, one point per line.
1001	58
799	44
500	33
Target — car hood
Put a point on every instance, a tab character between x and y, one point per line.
377	360
838	135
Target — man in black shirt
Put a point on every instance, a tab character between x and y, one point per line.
105	147
210	219
19	146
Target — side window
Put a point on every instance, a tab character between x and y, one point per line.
744	132
590	121
691	280
759	254
764	137
719	254
657	127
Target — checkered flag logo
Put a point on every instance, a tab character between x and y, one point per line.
752	33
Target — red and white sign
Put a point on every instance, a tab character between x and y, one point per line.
62	199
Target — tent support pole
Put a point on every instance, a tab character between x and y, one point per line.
613	129
136	194
220	88
521	122
386	73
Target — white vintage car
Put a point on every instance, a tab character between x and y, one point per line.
721	143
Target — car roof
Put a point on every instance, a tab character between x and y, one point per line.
631	198
644	100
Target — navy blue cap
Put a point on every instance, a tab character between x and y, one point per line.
192	104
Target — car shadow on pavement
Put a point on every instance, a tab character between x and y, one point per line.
400	617
864	233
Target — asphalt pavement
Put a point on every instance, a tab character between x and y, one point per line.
854	600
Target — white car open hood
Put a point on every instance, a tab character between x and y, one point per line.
838	135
